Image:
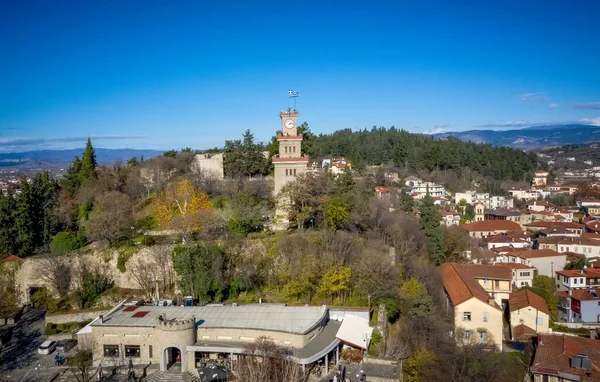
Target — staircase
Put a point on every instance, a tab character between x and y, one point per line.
170	376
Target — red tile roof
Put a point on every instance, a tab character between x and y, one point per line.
523	333
513	266
492	225
554	353
383	189
488	271
592	273
541	224
590	235
510	237
11	258
461	286
581	294
531	253
526	298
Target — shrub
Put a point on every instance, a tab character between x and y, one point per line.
64	242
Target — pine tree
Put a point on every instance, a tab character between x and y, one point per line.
24	220
430	222
71	179
8	230
88	163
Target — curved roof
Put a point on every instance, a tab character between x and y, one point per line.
274	317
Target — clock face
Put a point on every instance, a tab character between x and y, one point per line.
289	123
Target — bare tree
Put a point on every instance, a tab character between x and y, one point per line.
155	271
112	214
55	271
264	361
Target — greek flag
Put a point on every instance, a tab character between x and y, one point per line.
292	93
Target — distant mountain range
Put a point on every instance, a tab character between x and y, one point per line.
44	157
530	138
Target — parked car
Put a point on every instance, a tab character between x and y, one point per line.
47	347
65	345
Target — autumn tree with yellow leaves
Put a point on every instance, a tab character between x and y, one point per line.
182	208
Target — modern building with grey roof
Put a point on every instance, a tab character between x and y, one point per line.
188	338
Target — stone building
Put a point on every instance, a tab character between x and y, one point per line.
210	165
186	338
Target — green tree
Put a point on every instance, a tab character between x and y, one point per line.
344	183
417	365
70	180
170	154
414	299
91	284
407	203
336	213
579	264
244	157
64	242
430	222
88	163
335	280
8	230
546	288
248	213
201	271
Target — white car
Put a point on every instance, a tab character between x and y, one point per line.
47	347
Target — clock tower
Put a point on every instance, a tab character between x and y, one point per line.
290	162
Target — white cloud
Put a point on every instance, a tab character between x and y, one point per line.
437	130
39	141
552	105
528	97
517	124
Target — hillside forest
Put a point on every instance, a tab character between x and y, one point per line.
345	247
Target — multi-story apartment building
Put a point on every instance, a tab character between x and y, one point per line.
477	316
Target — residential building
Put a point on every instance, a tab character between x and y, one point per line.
450	218
420	190
485	228
511	214
538	205
529	309
383	193
192	334
336	166
571	229
514	239
540	178
519	193
496	281
560	357
578	279
477	316
412	181
580	245
489	202
522	275
546	261
580	306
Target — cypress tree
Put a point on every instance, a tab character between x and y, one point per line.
88	162
8	230
430	222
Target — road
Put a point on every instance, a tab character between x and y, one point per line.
19	361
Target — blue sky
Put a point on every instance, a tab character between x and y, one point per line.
170	74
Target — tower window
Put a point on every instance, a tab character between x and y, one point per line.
285	149
286	172
294	172
294	149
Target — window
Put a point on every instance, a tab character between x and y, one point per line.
294	149
557	277
285	149
132	351
149	351
575	281
294	172
468	335
481	337
582	281
525	274
111	350
466	316
539	320
521	321
497	282
286	172
485	316
562	249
